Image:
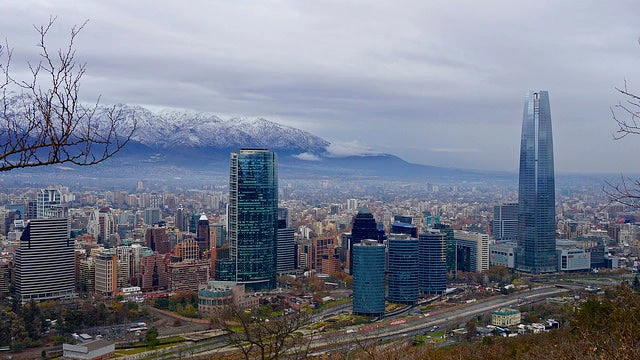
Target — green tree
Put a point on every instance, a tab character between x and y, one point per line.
151	338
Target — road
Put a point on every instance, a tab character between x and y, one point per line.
407	327
421	325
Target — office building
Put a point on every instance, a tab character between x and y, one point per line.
364	227
285	251
399	227
368	278
502	255
203	236
253	217
106	274
472	251
433	266
46	200
536	251
403	269
285	244
156	239
45	261
151	216
505	222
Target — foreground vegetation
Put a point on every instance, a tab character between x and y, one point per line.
606	326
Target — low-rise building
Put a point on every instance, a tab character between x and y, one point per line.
217	294
506	317
91	350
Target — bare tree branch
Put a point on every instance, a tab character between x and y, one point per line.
46	123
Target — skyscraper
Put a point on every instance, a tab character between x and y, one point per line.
364	227
505	222
368	278
46	200
404	269
433	266
253	217
44	261
536	252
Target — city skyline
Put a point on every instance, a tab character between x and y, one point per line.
334	70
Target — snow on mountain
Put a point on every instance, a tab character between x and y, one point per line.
169	129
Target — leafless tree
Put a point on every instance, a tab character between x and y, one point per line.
626	114
275	338
44	120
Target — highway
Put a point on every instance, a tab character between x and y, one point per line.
344	339
420	325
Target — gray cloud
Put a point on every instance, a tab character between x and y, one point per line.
405	77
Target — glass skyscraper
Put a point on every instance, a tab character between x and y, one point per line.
253	217
404	269
536	252
368	278
432	276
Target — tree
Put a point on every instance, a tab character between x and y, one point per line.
151	338
626	114
266	338
44	122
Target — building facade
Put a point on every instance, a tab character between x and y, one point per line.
536	252
403	270
253	217
45	261
505	222
433	266
368	278
472	251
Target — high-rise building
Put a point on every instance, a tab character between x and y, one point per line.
46	200
253	217
45	261
536	251
203	235
505	222
364	227
404	269
106	274
368	278
151	216
285	244
472	251
433	266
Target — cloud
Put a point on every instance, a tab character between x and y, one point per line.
455	150
349	148
414	76
307	157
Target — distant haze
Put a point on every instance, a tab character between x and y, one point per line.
434	82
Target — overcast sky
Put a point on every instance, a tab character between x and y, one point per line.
434	82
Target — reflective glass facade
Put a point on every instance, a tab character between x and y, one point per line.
368	278
433	266
404	267
253	217
536	252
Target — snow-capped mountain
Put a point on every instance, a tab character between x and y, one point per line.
170	129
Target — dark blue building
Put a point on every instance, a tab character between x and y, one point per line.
368	278
403	270
364	227
433	266
253	217
404	228
536	252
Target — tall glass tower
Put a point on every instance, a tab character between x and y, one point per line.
253	217
536	252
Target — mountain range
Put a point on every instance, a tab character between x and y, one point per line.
201	142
